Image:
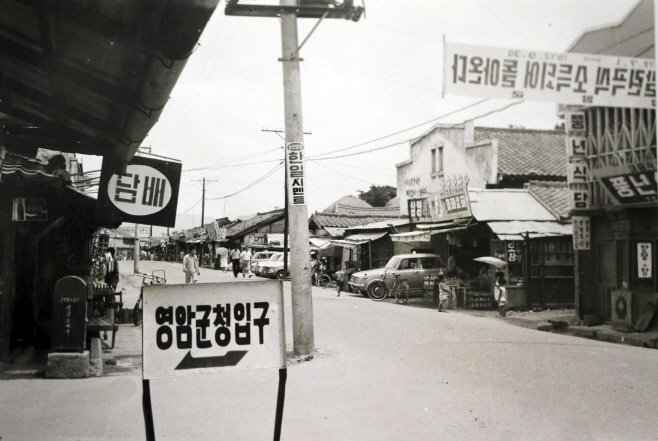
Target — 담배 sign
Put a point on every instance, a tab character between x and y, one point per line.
146	194
295	172
213	327
567	78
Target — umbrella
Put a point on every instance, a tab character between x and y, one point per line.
491	261
222	251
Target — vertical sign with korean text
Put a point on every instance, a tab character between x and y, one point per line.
213	327
567	78
295	172
419	210
577	169
644	260
147	193
581	232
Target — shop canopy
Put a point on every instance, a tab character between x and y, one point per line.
358	239
517	230
92	77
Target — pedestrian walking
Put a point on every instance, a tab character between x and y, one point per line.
112	269
235	260
245	261
191	267
500	294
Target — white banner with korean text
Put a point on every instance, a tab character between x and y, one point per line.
295	172
567	78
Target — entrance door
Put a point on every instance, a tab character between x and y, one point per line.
606	266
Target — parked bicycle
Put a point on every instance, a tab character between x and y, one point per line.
147	280
378	290
322	279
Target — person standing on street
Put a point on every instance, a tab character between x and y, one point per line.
191	267
112	269
245	261
235	260
500	294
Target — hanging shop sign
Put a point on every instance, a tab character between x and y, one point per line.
644	260
29	209
204	328
419	210
453	201
221	234
581	232
256	239
577	169
629	184
211	230
146	194
295	172
567	78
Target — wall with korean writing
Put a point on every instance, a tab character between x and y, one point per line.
446	150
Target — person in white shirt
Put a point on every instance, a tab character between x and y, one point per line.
191	267
245	262
235	260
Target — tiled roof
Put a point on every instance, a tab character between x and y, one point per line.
527	152
261	218
344	221
367	211
554	196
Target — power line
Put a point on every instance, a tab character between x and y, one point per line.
344	174
315	158
258	181
197	203
405	130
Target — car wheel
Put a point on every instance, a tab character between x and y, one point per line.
377	290
279	275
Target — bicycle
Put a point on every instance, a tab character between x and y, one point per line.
322	279
152	280
378	290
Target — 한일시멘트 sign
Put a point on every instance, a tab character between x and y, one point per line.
211	327
567	78
146	194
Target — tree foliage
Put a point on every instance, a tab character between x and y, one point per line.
378	195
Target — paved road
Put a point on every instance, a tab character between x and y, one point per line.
383	372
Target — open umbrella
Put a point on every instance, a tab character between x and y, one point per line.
491	261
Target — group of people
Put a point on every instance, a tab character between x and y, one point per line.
241	261
106	269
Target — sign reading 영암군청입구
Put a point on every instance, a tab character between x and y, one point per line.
212	327
566	78
146	194
295	173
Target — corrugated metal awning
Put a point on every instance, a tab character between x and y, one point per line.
365	237
531	228
412	236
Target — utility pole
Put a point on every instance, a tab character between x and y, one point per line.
287	10
203	197
302	301
136	250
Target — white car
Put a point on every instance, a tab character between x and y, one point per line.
259	257
260	266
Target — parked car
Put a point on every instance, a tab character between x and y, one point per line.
274	268
411	267
259	257
261	264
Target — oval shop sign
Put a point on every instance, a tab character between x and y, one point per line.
142	191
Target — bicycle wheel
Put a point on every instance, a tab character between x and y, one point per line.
322	280
377	290
402	292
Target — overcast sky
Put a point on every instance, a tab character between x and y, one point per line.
360	81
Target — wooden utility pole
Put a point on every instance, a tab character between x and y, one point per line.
136	250
300	266
203	197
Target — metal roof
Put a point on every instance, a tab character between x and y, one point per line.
507	205
382	225
92	77
534	229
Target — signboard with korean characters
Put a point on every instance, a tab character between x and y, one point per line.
419	210
453	201
629	184
566	78
581	232
146	194
213	327
644	260
295	173
577	168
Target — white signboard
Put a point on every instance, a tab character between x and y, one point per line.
567	78
295	171
213	327
581	232
644	267
141	191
